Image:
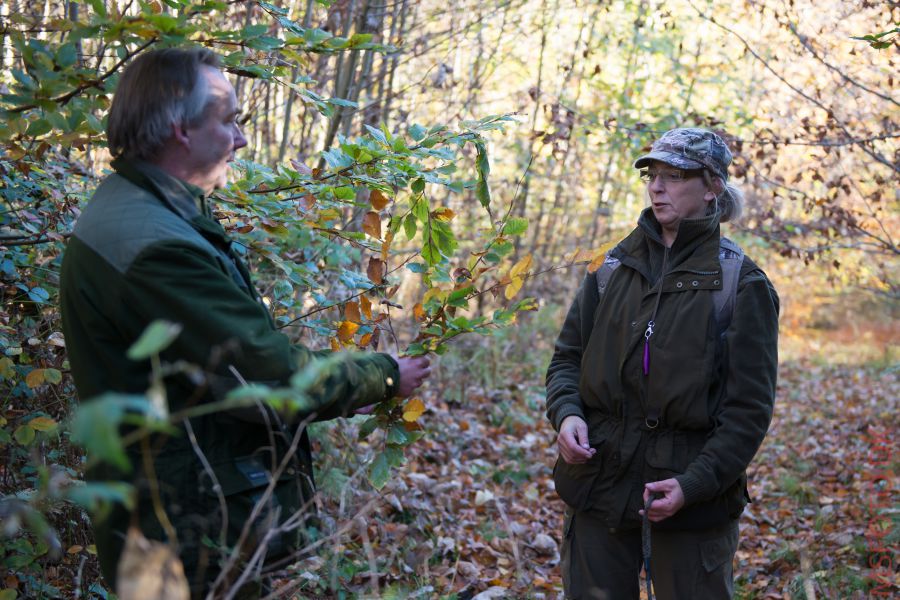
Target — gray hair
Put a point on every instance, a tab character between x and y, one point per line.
159	89
729	203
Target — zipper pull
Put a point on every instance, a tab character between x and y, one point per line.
647	333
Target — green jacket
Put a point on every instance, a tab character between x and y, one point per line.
145	248
712	392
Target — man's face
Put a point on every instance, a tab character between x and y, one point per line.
216	137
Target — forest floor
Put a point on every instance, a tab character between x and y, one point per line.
474	514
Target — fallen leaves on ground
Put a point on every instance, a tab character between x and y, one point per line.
474	513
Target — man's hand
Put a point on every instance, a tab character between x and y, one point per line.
414	371
670	503
573	440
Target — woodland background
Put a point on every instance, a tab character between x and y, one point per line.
470	159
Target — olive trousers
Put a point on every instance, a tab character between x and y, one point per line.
602	564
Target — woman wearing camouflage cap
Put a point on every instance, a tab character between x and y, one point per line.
662	386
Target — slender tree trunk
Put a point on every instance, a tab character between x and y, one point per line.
521	209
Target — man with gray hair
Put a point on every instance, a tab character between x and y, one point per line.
145	248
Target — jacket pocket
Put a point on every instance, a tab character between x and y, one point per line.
575	482
242	484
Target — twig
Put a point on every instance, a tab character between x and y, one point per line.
64	98
875	155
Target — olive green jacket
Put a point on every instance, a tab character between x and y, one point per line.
145	248
712	392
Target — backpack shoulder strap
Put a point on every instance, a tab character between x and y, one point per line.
731	257
610	264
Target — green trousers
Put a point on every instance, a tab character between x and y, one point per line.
600	564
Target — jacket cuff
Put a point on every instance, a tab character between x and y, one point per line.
391	376
692	488
567	410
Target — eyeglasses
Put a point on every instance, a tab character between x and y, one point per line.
674	176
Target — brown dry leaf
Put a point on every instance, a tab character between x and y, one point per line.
150	570
366	305
375	271
378	200
307	202
351	311
372	224
335	345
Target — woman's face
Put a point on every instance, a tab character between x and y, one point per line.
673	201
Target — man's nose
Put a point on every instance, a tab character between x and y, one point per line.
239	140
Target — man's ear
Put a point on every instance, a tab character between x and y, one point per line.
180	135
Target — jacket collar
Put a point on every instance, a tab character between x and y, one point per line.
696	245
182	198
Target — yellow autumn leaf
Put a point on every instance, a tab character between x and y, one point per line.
335	345
513	288
520	267
366	305
434	292
365	340
413	410
42	423
351	312
599	255
74	549
419	312
34	378
386	246
346	330
7	370
372	224
378	199
443	213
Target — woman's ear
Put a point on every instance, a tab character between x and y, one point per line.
714	188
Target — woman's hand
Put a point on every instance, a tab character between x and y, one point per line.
670	502
573	440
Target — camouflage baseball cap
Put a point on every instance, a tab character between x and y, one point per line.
689	148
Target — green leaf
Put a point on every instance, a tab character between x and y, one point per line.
66	55
24	434
515	226
366	429
99	7
397	435
8	594
156	338
379	471
91	496
417	132
409	226
418	186
52	376
394	456
483	168
38	295
344	193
